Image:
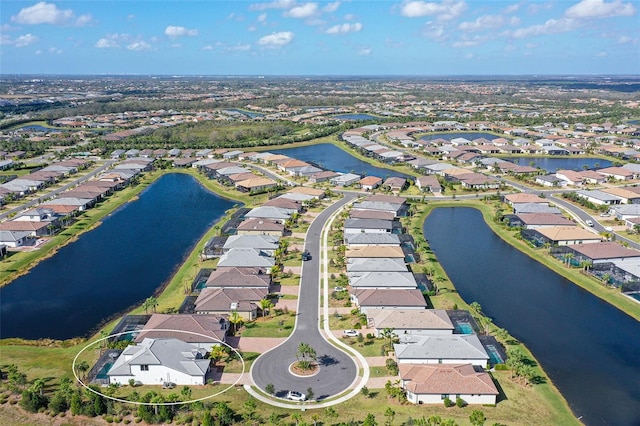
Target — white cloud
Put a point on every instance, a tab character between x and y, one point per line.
306	10
262	17
470	56
511	9
531	45
623	39
514	21
465	43
444	11
176	31
238	48
276	39
552	26
48	13
331	7
278	4
54	50
25	40
602	54
486	22
345	28
600	9
509	48
435	31
112	41
365	51
138	46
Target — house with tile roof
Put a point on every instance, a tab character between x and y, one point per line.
205	331
259	226
155	361
566	235
410	322
224	301
431	384
441	349
372	298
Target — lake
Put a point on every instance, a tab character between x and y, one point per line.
588	348
113	267
330	157
554	164
355	117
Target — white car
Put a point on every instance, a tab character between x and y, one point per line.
350	333
339	289
296	396
589	222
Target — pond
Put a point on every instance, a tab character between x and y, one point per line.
588	348
355	117
554	164
113	267
330	157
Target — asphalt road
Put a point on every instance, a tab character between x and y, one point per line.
337	369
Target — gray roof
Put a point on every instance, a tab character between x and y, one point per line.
13	236
378	205
268	212
454	346
232	170
245	257
368	223
260	242
171	353
368	264
372	238
627	209
382	280
535	208
598	195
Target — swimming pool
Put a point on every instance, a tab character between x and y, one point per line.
635	295
494	355
102	374
464	328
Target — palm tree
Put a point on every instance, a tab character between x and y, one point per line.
305	355
235	319
388	334
568	257
475	306
265	305
38	386
83	367
150	302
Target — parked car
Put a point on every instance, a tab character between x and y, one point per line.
350	333
605	214
296	396
339	289
168	385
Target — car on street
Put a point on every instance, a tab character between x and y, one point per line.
296	396
306	255
589	222
350	333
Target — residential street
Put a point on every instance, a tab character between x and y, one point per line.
337	369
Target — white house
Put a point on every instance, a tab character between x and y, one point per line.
441	349
155	361
431	384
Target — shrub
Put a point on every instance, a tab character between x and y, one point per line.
369	336
447	402
460	402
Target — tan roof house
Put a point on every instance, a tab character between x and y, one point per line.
567	235
376	251
430	384
411	321
369	183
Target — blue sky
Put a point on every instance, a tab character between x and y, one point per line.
290	37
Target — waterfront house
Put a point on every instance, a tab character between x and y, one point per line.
224	301
375	251
565	235
14	239
603	252
271	213
382	280
441	349
246	257
535	208
266	244
412	321
232	277
345	179
431	384
429	183
257	183
155	361
541	220
373	298
203	331
260	227
367	264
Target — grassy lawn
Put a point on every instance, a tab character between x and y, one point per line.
292	280
270	326
234	365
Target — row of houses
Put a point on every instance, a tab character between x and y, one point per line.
52	214
545	225
435	361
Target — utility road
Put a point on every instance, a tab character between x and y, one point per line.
337	370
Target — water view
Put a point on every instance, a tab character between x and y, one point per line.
588	348
330	157
355	117
554	164
115	266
